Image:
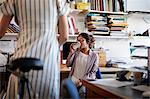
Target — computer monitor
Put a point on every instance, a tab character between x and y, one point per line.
66	50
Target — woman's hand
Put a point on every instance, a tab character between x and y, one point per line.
78	82
74	46
71	48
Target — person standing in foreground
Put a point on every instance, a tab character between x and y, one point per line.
38	38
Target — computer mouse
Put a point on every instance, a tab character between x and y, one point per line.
146	94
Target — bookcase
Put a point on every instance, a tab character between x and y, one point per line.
102	18
114	44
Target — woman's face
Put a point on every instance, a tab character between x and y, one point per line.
82	41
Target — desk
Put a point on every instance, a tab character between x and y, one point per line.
64	71
99	91
104	70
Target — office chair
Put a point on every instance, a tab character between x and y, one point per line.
69	90
24	65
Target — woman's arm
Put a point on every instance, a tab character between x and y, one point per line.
4	22
70	59
63	29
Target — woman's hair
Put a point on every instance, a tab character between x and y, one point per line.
89	39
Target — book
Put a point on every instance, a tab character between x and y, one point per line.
124	24
74	24
13	28
117	28
98	27
96	22
94	18
100	33
71	28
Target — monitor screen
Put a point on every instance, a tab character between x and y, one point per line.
66	50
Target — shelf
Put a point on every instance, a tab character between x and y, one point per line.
112	37
11	34
76	11
140	57
141	46
108	12
141	37
98	36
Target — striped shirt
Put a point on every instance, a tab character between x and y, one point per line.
38	38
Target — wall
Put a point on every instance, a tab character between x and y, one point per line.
138	5
117	49
138	22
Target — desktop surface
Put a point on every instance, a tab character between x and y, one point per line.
100	91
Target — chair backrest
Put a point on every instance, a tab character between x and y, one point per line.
69	90
98	74
25	64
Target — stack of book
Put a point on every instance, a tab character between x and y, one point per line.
13	28
97	24
117	25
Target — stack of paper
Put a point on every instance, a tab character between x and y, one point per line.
111	82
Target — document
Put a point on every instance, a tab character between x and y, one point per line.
141	88
111	82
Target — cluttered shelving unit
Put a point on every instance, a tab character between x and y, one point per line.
139	49
100	17
106	21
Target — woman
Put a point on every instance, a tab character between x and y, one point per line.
38	21
84	61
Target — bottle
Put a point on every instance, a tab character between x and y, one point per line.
102	57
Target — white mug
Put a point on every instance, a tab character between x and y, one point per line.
76	45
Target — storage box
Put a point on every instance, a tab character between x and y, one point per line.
82	6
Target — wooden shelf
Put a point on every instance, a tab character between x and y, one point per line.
73	37
11	34
76	11
109	12
140	57
112	37
140	46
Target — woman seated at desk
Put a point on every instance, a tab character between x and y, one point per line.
82	59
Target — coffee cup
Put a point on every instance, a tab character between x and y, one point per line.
76	45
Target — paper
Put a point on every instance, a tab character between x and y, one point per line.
3	60
7	46
141	88
111	82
